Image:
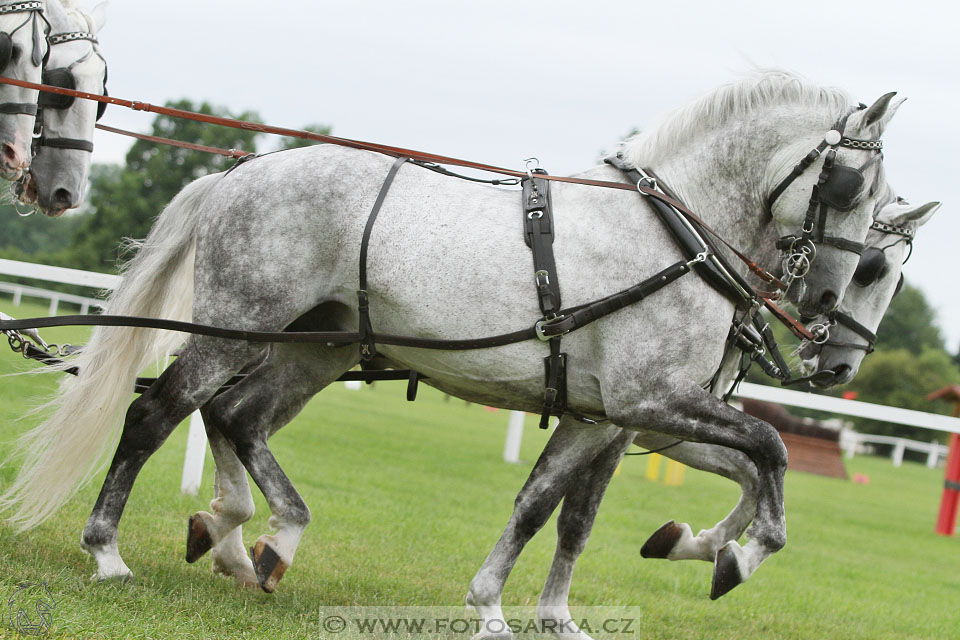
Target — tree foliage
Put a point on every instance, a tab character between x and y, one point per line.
125	201
910	323
296	143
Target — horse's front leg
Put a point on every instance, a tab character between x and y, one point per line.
679	408
675	541
563	460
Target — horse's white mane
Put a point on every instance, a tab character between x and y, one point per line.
762	89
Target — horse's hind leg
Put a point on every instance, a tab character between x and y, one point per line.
184	386
571	447
580	504
220	531
675	541
247	415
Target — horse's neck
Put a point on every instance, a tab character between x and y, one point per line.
725	175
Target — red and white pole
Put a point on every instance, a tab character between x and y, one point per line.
947	520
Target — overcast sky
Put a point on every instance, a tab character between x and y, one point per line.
498	82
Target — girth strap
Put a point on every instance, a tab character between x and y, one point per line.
367	347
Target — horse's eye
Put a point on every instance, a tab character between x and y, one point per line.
15	53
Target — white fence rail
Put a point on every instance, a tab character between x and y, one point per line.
197	437
852	443
55	297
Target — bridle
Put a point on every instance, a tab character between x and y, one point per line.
63	77
38	57
837	187
870	269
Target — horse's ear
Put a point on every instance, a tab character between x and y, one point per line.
901	213
99	16
878	109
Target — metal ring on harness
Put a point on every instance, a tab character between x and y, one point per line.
821	333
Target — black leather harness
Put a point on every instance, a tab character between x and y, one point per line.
750	334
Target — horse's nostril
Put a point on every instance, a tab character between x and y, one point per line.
828	301
841	370
10	156
62	198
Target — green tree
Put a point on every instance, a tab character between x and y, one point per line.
296	143
125	200
910	323
21	236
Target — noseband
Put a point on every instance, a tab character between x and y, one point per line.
837	187
871	268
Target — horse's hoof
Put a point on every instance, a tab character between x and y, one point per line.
268	565
122	579
198	538
663	540
726	573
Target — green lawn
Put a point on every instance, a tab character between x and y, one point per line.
408	498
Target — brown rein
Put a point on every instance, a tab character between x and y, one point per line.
795	327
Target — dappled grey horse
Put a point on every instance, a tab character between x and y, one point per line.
447	260
876	282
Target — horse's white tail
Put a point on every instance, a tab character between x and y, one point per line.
67	449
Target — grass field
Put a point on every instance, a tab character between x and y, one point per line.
407	500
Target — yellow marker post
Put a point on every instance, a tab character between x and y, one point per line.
675	472
653	467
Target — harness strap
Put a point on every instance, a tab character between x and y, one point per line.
538	233
66	143
367	347
27	109
539	236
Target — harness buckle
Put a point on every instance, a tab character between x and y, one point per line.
542	325
542	274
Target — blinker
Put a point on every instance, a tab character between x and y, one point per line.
6	50
841	188
62	78
872	267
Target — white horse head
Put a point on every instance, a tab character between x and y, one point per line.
732	149
876	281
23	47
829	206
61	164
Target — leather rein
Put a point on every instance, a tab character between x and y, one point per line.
565	320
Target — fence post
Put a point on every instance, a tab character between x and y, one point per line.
934	455
511	448
898	452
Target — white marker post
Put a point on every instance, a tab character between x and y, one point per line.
511	449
